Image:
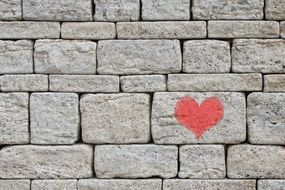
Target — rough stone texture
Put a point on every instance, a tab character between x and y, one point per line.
119	184
274	83
29	30
14	184
139	56
185	184
166	10
10	10
275	9
157	30
117	10
31	161
265	115
14	118
16	56
282	29
24	83
206	56
202	161
143	83
227	9
214	82
142	161
243	29
88	30
54	10
65	57
271	184
54	118
256	55
84	83
253	161
166	129
115	118
54	184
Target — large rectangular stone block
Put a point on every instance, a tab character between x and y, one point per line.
166	129
29	30
31	161
10	10
266	118
214	82
138	56
115	118
267	184
14	118
54	118
227	9
16	56
67	184
156	30
257	55
274	83
15	184
253	161
65	56
54	10
120	184
275	9
135	161
243	29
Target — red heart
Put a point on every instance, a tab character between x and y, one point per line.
199	119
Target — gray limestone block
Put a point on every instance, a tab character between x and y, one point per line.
33	162
274	83
143	161
10	10
54	118
282	29
15	184
115	118
275	9
267	184
55	184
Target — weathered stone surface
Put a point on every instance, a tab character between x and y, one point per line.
69	184
183	184
282	29
157	30
14	184
30	82
54	10
214	82
265	115
115	118
253	161
65	56
167	130
202	161
31	161
275	9
271	184
166	10
119	184
274	83
14	118
206	56
143	83
88	30
243	29
139	56
142	161
10	10
16	56
54	118
227	9
256	55
29	30
84	83
114	10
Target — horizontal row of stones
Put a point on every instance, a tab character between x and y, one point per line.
144	161
142	30
129	10
120	57
143	83
141	184
124	118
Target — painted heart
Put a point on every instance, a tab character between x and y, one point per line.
199	118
